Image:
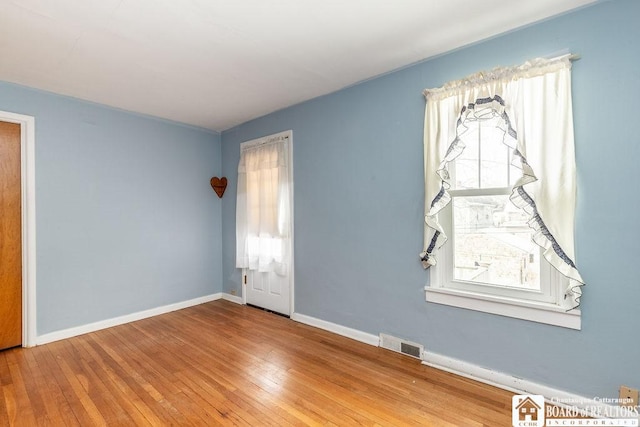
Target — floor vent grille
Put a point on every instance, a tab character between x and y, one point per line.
401	346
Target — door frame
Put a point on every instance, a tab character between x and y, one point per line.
289	135
28	211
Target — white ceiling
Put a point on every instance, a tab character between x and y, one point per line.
218	63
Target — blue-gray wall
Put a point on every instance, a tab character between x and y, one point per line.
359	198
126	219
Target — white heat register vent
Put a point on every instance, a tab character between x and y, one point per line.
401	346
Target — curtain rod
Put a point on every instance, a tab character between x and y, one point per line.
499	72
259	142
572	56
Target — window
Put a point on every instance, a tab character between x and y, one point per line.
499	175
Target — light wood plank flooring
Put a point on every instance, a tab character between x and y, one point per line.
224	364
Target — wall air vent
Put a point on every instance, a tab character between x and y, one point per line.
401	346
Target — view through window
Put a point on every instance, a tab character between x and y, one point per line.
492	243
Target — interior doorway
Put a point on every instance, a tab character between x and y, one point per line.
27	223
10	236
264	222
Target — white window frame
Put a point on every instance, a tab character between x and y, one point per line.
548	306
549	281
520	85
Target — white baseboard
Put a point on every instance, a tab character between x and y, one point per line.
96	326
472	371
233	298
444	363
517	385
337	329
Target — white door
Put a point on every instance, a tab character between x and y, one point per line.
268	290
271	290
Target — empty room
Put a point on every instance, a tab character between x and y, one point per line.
303	212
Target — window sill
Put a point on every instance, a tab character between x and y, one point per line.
550	314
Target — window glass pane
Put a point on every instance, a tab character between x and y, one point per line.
485	161
492	243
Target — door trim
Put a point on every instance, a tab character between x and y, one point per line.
244	272
28	207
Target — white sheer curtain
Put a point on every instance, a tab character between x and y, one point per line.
263	220
534	104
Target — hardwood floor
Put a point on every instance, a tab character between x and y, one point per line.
224	364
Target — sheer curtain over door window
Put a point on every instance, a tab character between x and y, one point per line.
263	220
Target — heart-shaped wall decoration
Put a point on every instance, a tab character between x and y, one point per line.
219	185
